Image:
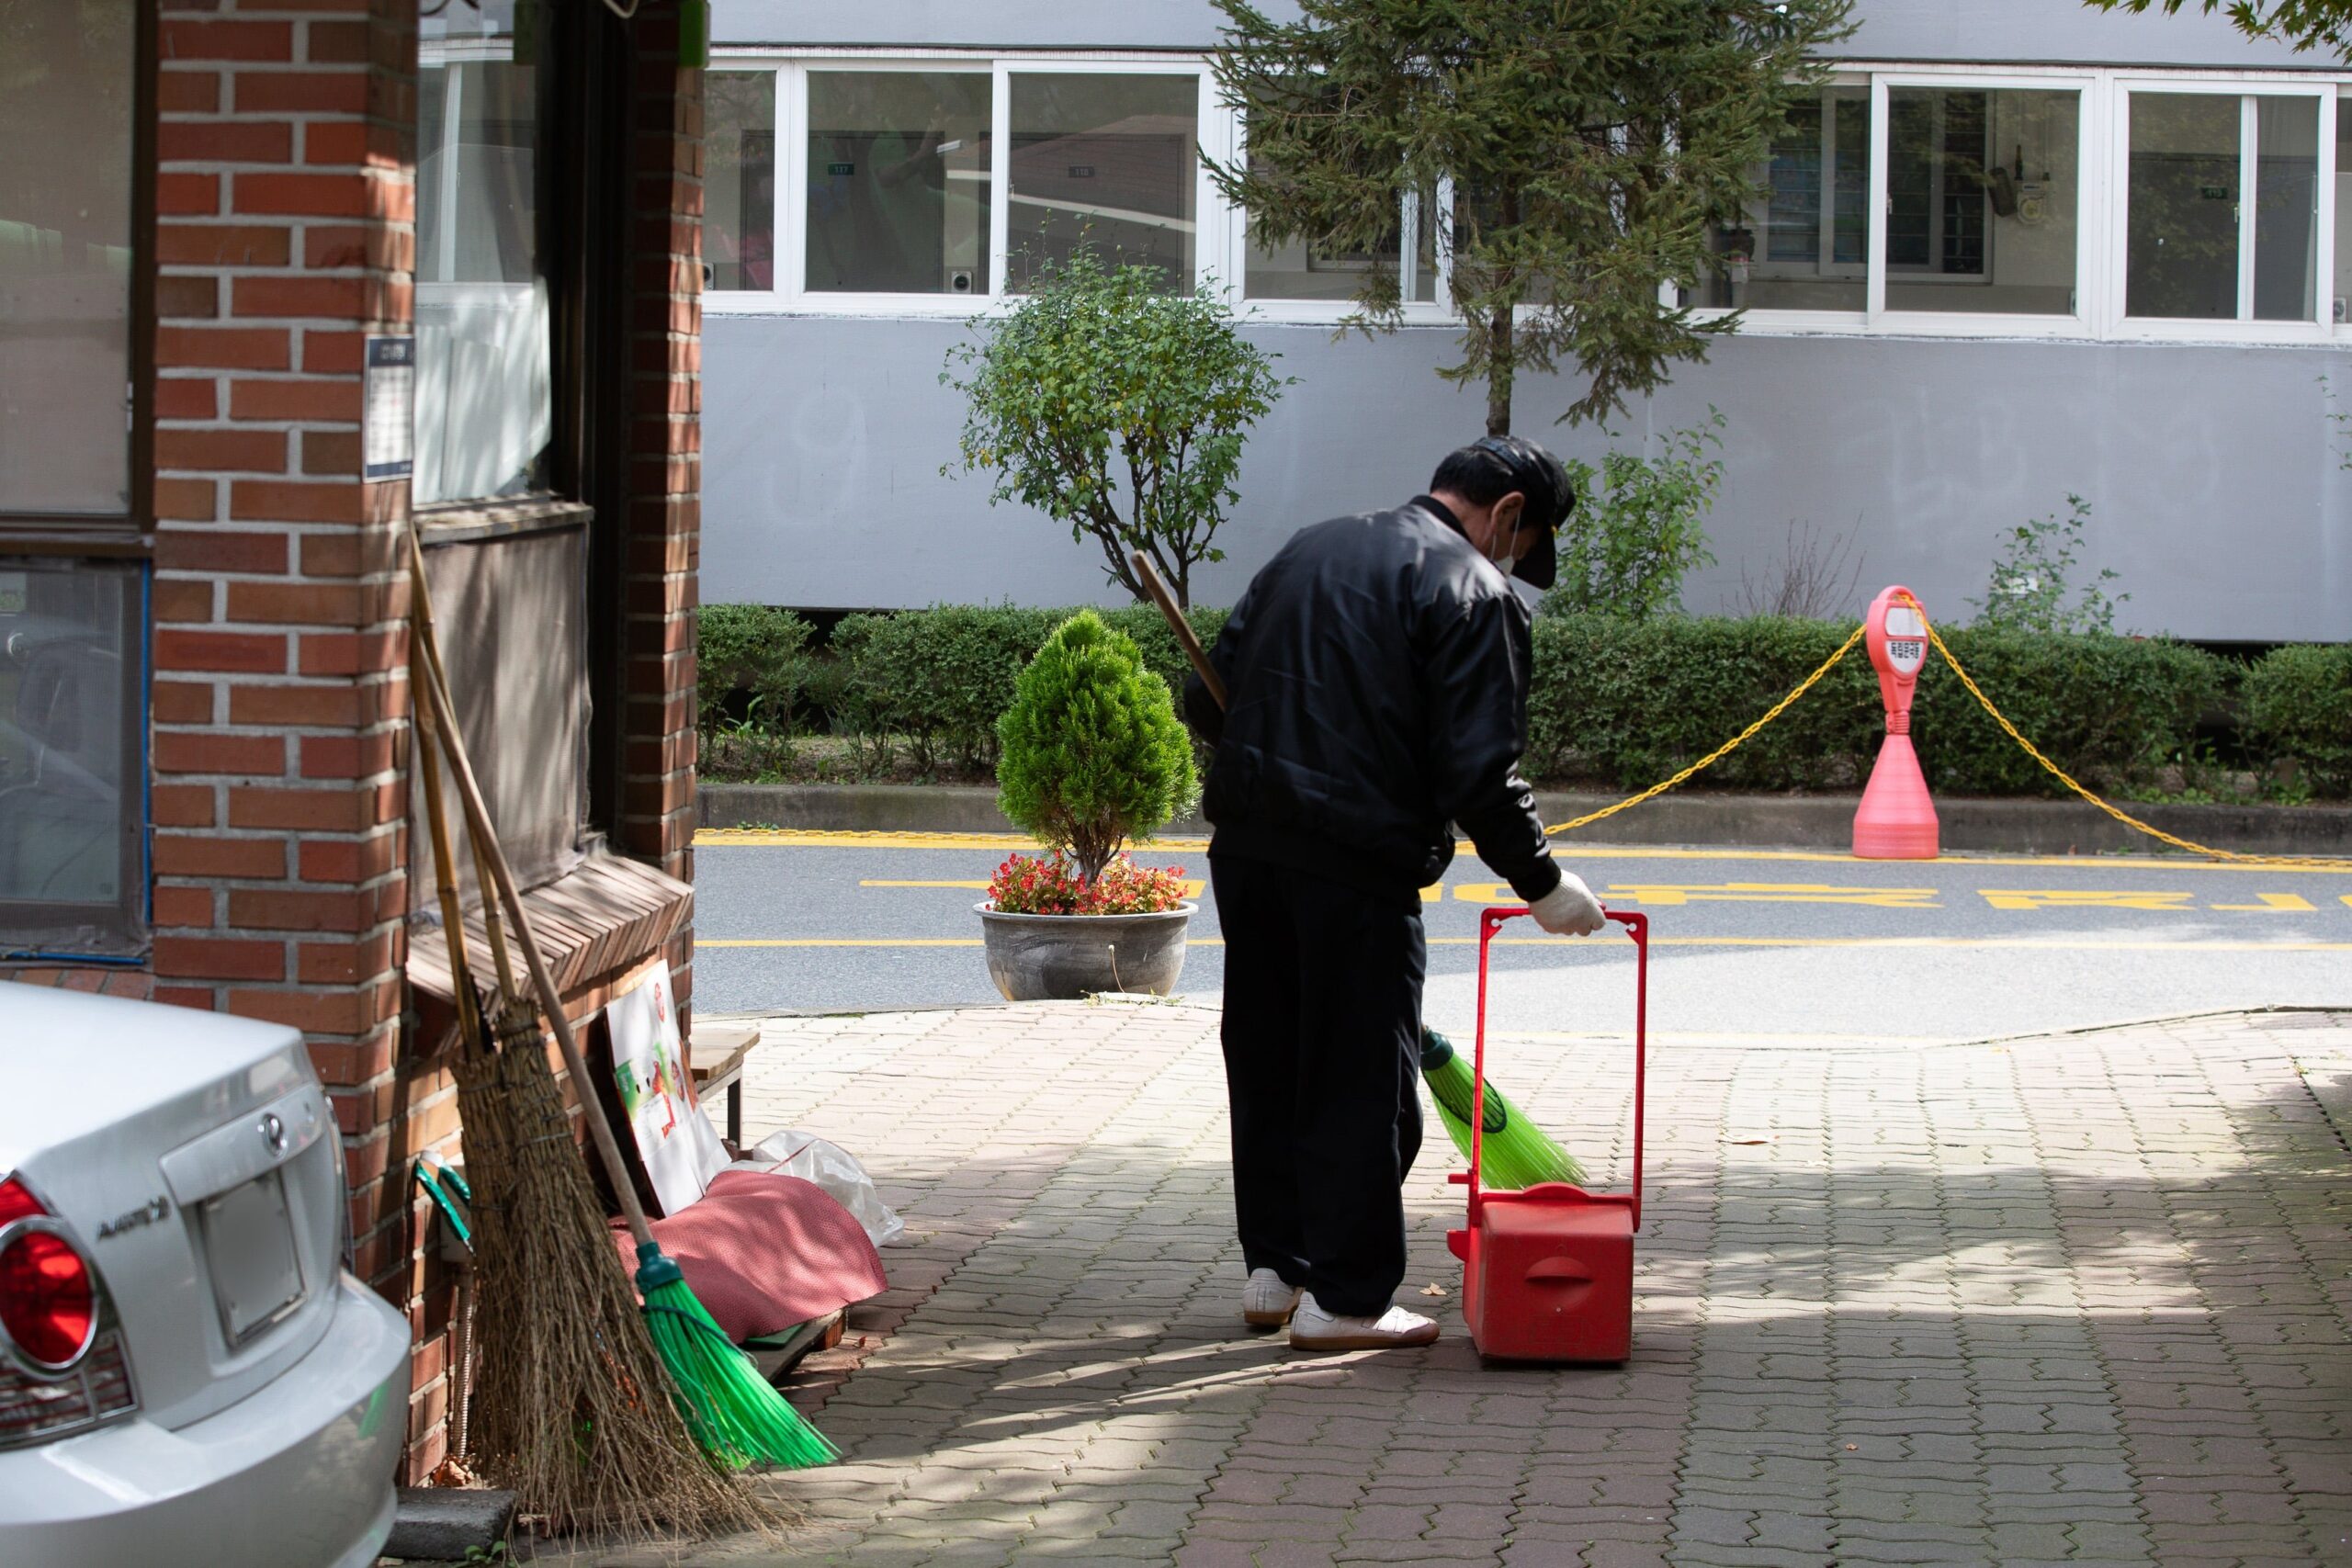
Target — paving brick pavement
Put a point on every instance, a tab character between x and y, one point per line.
2081	1299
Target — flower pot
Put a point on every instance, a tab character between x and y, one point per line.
1036	958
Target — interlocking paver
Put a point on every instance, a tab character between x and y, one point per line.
2081	1299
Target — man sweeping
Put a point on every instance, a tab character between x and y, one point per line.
1377	672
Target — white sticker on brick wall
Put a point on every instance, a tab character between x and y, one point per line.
386	419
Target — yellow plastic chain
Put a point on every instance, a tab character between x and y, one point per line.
1726	749
2068	779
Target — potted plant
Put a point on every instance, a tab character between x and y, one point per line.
1091	755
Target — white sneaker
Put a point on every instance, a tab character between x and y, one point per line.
1314	1329
1267	1300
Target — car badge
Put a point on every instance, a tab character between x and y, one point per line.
147	1213
273	1132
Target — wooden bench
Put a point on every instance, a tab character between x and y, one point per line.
723	1047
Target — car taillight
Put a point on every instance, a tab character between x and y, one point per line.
49	1305
61	1362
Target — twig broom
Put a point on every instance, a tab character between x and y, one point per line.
733	1413
1516	1152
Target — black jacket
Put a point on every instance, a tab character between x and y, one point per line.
1377	670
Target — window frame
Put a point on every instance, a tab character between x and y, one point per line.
1212	223
117	931
2324	87
2088	203
1221	239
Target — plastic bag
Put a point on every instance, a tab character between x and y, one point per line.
833	1169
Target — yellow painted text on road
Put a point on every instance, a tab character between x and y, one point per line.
2275	904
2084	898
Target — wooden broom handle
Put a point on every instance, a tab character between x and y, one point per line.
453	745
1157	587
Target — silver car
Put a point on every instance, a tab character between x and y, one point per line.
187	1371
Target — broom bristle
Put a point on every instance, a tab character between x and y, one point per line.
736	1414
570	1409
1516	1152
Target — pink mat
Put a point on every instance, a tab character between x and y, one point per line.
764	1251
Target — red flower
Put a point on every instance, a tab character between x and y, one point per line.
1033	884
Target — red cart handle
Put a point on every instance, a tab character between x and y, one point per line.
1637	926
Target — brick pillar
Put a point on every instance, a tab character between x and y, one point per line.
664	517
285	235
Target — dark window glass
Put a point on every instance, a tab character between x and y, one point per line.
65	264
898	166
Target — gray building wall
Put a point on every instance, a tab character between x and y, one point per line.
2214	473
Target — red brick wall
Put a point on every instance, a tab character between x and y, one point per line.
285	235
665	475
285	189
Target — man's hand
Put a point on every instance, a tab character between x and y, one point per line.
1569	909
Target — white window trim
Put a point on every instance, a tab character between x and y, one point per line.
1212	223
1220	239
2161	329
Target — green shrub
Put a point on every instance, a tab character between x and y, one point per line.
2110	710
752	653
2298	704
1093	751
1631	704
937	678
940	678
1638	528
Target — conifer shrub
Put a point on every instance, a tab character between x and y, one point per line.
1091	752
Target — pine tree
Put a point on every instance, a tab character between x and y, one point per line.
1590	144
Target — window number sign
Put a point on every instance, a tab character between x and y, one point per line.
388	409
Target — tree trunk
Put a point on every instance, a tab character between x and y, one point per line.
1501	363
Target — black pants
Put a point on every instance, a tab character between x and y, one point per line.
1322	1065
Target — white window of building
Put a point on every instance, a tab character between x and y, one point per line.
2221	195
897	179
1948	200
739	180
1984	200
2340	306
1805	243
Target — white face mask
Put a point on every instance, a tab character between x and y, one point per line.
1504	562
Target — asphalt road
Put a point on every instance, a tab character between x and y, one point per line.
1784	944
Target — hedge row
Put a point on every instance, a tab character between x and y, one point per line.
1628	704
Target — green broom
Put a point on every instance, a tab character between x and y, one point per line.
1516	1152
735	1414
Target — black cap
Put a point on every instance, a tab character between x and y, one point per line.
1537	475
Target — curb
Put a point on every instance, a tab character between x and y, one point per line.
1746	821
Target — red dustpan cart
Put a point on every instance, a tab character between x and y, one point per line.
1548	1273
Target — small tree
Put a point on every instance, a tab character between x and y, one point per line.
1638	526
1093	753
2032	579
1591	146
1116	409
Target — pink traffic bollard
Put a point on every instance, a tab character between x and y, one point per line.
1896	819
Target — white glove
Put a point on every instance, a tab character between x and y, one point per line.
1569	909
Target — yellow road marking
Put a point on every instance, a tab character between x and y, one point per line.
2084	898
810	838
2275	902
1660	895
2047	945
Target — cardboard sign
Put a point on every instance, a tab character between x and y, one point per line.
675	1139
